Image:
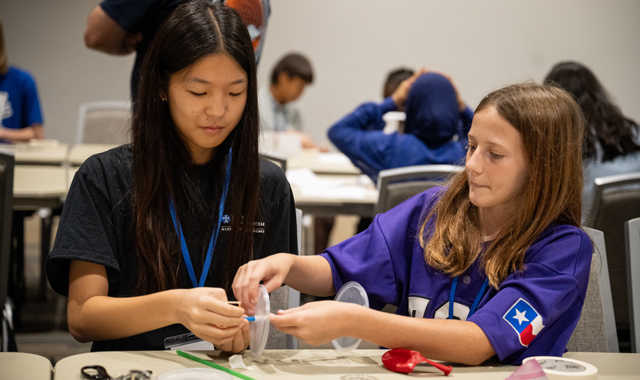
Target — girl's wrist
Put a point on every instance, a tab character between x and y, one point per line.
174	298
353	320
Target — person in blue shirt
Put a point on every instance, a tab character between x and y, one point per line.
20	114
435	128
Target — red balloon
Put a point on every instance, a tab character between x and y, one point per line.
404	361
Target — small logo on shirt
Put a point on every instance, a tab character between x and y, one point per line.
525	320
258	227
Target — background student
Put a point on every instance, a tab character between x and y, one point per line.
20	115
612	141
394	78
122	27
152	233
279	111
495	264
434	130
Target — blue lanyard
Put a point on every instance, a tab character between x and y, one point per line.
214	235
474	306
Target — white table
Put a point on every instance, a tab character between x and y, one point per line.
36	187
322	365
331	195
80	152
38	152
23	366
322	163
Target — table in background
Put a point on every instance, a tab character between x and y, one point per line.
38	152
36	187
80	152
322	163
331	195
23	366
322	364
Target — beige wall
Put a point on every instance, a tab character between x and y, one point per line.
353	44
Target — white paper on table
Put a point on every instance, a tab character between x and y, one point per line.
343	192
301	177
333	158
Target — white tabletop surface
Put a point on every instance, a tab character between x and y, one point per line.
322	364
38	152
322	163
39	181
325	188
80	152
20	365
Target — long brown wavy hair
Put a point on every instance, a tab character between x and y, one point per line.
162	163
550	123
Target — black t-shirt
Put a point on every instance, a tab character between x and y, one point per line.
95	226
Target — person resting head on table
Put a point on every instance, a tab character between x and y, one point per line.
20	114
435	129
494	264
152	233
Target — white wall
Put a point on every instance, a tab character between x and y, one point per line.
353	44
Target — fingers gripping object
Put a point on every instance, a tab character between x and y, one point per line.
259	323
404	361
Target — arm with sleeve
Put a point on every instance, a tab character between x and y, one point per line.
359	136
129	15
32	112
534	312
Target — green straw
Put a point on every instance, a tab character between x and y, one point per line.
214	365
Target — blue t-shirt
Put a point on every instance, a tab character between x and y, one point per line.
532	314
19	103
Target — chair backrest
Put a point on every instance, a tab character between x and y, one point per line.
616	200
104	122
596	329
632	231
282	299
277	158
397	185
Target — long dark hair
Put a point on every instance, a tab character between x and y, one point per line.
550	125
606	125
163	166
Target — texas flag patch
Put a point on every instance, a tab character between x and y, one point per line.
525	320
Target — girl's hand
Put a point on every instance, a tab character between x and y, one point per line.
240	341
316	322
208	315
271	270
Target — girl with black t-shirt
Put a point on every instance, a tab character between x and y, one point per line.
152	233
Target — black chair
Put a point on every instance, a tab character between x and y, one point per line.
397	185
6	208
616	200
